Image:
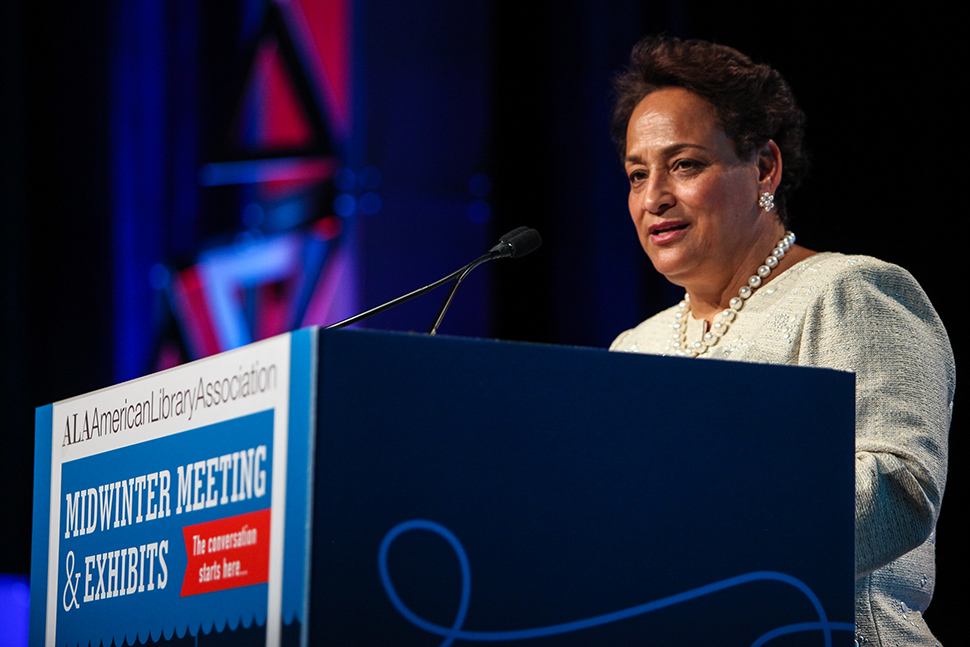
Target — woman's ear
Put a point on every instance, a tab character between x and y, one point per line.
769	167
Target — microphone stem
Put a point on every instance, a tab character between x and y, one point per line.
410	295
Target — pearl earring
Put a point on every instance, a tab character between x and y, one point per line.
766	201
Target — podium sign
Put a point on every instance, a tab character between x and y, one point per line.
176	502
359	488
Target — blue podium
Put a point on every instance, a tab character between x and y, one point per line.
361	488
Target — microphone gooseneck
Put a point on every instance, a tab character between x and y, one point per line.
515	244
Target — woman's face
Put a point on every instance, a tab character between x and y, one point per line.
693	201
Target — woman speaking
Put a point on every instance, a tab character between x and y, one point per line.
712	146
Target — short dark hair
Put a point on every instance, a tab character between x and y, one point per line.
752	101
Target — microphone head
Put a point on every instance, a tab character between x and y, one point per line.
524	242
518	242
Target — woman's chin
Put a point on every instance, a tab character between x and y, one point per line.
671	263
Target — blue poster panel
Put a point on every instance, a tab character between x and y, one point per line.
161	504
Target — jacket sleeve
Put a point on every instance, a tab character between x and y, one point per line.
874	320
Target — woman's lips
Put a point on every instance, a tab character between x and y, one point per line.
664	232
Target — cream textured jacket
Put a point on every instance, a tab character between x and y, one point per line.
859	314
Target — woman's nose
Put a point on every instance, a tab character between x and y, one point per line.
657	197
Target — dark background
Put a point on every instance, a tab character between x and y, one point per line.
522	90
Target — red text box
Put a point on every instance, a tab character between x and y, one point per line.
227	553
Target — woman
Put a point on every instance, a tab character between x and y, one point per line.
712	144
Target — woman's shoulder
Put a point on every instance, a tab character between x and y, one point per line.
849	267
867	301
850	277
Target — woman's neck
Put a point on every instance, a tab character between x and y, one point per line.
708	300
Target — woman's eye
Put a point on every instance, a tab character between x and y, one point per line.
637	176
686	165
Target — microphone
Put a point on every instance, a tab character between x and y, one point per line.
515	244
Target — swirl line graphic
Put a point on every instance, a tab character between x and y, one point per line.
455	632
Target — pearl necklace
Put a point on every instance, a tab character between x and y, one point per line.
724	319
